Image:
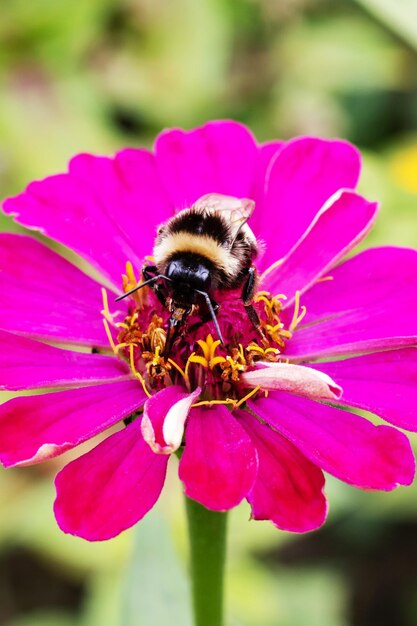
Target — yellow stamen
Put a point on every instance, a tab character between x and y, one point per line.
255	352
253	347
181	371
266	297
129	281
109	336
135	372
187	365
209	358
156	364
130	275
122	325
216	361
261	293
237	365
200	360
105	310
124	344
249	395
324	279
226	402
297	315
272	267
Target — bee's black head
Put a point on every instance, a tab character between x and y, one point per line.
188	272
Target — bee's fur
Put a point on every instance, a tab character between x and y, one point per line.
207	236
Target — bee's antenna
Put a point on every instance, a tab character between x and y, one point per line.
212	313
147	282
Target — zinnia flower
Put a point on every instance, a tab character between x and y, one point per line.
257	417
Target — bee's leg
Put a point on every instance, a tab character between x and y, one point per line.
248	292
212	307
149	272
172	334
215	305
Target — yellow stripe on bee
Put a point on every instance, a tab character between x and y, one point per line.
199	244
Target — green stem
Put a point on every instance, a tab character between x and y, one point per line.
207	533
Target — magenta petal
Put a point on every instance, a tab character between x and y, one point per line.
164	417
341	443
36	428
267	153
111	487
46	297
333	233
384	383
94	210
370	304
220	157
133	196
219	463
28	364
305	174
289	488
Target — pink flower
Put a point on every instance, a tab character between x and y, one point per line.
260	417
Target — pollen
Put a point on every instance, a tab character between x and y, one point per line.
234	365
156	365
272	304
271	322
130	333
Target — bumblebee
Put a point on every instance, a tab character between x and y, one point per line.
206	248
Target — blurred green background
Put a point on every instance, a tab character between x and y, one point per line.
97	75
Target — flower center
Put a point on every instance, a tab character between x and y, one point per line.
194	358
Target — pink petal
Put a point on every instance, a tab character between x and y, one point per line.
111	487
219	157
289	488
219	463
36	428
341	443
384	383
297	379
370	304
267	153
45	297
335	230
131	188
28	364
96	210
164	418
305	174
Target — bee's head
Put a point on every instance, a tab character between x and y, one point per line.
187	273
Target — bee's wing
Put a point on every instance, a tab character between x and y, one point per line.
235	211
